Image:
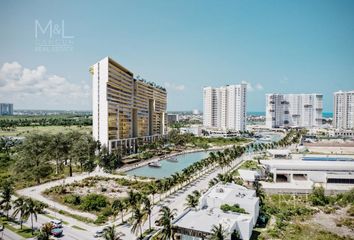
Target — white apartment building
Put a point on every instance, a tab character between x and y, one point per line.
294	110
225	107
343	110
127	111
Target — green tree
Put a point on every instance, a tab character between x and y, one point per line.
191	201
218	233
118	206
147	209
111	233
6	193
83	152
59	149
166	216
32	157
20	209
32	209
138	220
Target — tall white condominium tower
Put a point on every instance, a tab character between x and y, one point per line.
127	111
225	107
343	110
294	110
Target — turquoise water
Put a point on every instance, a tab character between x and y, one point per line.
327	159
168	168
324	114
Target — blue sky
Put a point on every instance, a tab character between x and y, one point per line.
276	46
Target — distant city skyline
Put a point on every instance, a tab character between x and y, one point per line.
275	47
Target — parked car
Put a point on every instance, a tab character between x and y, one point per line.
57	232
56	223
99	233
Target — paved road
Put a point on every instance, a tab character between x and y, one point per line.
35	192
177	199
174	201
9	235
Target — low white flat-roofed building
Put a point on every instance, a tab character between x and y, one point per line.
248	176
294	175
198	223
279	153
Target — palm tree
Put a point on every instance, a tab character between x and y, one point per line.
166	216
152	190
131	200
110	233
32	209
147	209
259	191
218	233
118	206
139	218
191	201
20	209
6	194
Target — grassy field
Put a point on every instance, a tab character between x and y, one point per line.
54	116
23	131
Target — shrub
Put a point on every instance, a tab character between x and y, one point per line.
72	199
93	202
107	211
318	198
350	210
234	208
101	219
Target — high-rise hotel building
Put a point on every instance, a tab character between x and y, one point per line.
126	111
294	110
343	114
225	107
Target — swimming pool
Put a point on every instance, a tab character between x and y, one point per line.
168	168
343	159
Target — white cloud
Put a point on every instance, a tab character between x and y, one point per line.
33	87
252	88
175	87
259	86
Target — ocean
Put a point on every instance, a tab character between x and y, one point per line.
324	114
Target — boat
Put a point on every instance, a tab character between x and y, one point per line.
155	164
266	139
172	159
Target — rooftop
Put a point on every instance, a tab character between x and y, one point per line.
310	165
230	192
209	217
248	175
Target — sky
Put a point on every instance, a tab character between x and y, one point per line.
301	46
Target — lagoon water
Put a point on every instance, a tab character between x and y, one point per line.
184	160
168	168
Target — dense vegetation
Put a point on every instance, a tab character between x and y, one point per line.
40	157
10	122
